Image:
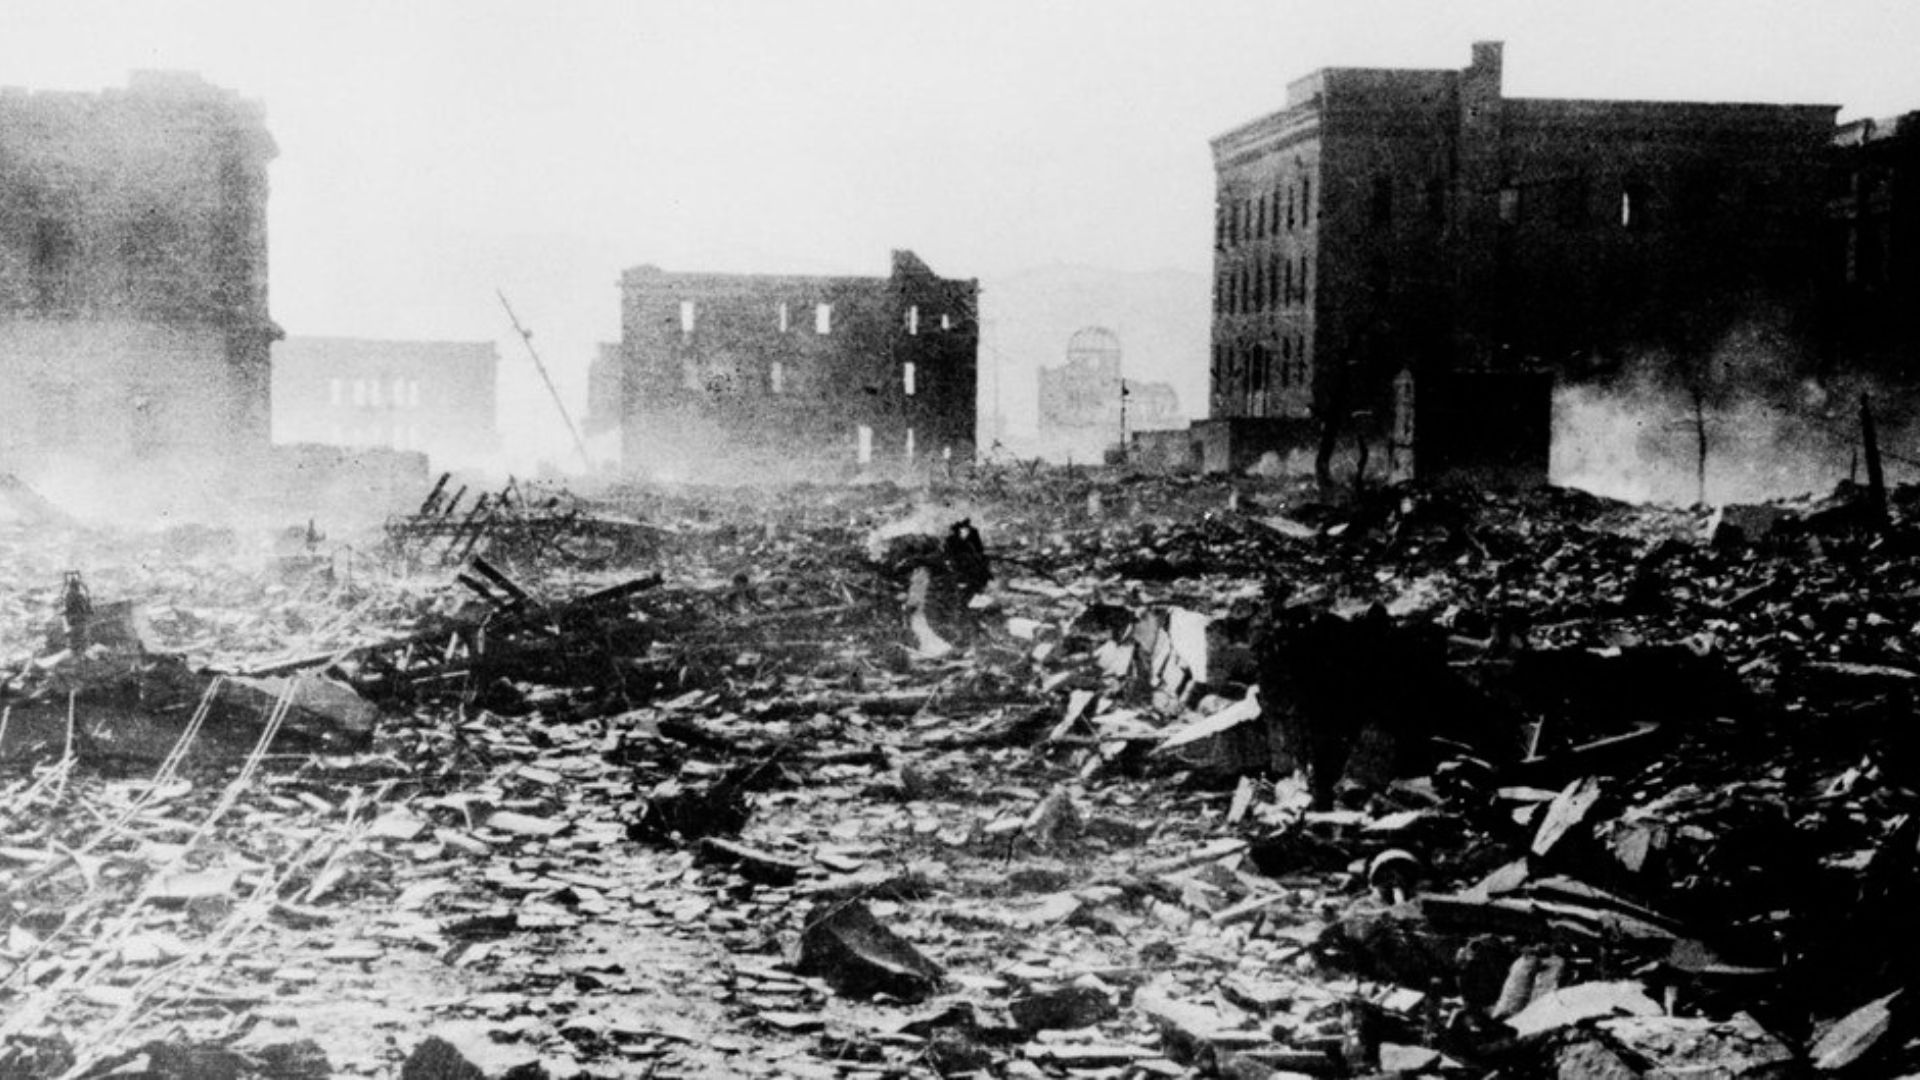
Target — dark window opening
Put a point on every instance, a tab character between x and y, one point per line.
1380	206
1572	210
1699	194
1380	280
52	266
1874	248
1306	202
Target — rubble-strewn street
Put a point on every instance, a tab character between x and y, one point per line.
1046	775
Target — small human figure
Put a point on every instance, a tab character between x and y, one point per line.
76	609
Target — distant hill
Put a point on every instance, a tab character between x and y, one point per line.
1161	316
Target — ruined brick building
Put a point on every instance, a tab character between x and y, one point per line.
740	374
134	331
432	397
1390	221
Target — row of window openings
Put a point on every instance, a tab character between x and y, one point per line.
822	318
777	377
863	446
1248	219
1252	363
372	393
1256	287
1566	200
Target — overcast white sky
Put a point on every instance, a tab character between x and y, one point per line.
433	151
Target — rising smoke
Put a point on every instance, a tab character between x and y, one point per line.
1774	428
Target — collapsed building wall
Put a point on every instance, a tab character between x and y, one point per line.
753	376
134	330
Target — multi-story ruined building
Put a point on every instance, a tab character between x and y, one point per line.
134	330
737	374
434	397
1388	221
1087	406
1871	255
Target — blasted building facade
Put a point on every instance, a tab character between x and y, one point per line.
433	397
134	330
1087	406
1390	221
743	373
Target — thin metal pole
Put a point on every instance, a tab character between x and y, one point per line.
526	338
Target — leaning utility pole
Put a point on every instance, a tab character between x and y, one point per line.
526	338
1876	479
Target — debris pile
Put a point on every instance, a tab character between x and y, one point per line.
516	525
1055	776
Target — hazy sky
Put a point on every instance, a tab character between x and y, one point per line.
431	152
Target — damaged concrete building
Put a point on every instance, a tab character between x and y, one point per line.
1087	407
432	397
134	331
739	374
1421	222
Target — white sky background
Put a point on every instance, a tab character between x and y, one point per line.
433	151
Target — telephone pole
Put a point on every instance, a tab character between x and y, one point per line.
526	338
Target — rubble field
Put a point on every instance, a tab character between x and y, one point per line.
1044	774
